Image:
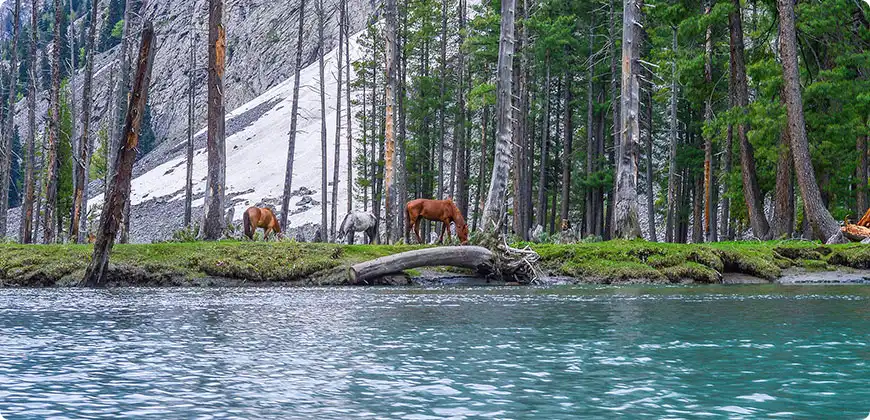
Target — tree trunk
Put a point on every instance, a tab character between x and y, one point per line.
122	102
119	189
29	173
568	152
591	149
626	224
616	151
294	110
783	210
672	161
349	138
324	233
442	108
697	212
751	190
861	175
824	226
545	147
75	141
53	133
710	207
650	195
336	159
495	201
84	160
390	129
401	173
478	202
214	222
724	230
191	108
6	149
461	169
471	257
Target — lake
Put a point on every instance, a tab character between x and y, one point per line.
513	352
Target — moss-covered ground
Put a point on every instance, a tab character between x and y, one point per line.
202	263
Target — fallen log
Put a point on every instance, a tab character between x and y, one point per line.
855	233
472	257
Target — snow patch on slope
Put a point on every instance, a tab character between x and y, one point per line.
256	155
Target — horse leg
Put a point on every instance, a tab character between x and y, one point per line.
443	228
266	233
417	230
449	235
350	236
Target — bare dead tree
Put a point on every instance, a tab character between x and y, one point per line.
83	165
214	223
54	128
29	172
495	201
291	148
119	190
6	149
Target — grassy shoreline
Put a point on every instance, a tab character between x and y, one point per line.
290	263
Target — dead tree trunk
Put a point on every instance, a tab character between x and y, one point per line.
349	139
54	128
324	235
495	200
471	257
5	176
29	173
824	226
191	108
626	223
751	190
84	159
122	102
214	222
294	110
390	205
119	189
336	158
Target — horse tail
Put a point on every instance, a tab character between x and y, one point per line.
246	221
407	220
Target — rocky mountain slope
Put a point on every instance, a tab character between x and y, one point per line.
260	64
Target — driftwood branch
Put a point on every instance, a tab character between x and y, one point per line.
855	233
472	257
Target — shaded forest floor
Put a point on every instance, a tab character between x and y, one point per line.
232	263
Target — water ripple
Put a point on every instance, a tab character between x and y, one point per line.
549	353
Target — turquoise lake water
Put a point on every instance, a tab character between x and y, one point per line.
567	352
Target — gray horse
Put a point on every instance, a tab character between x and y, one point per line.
358	221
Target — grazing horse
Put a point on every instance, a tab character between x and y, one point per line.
256	217
444	211
358	221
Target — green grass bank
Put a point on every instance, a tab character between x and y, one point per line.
290	263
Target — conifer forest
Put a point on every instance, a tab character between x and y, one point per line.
667	120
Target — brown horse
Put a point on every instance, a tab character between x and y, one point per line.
256	217
444	211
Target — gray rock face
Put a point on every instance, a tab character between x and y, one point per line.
261	46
